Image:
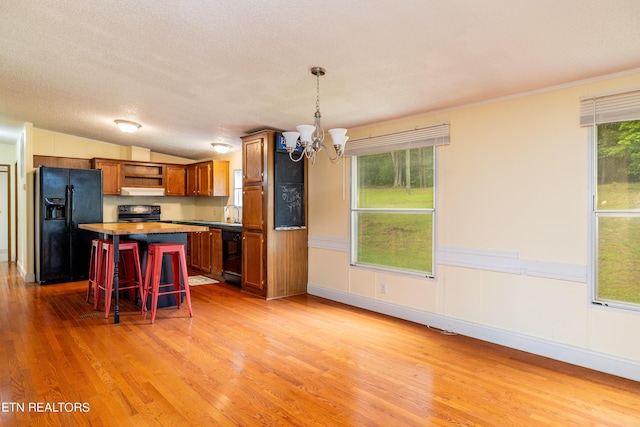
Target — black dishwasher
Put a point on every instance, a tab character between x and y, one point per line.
232	256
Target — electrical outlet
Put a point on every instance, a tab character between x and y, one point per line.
383	288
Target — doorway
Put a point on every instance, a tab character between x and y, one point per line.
5	213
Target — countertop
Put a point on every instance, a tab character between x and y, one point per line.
125	228
212	224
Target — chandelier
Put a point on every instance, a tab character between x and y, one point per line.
309	139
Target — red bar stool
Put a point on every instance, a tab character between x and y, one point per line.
155	256
129	273
95	260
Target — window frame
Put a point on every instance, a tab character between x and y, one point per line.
353	216
595	215
237	187
612	107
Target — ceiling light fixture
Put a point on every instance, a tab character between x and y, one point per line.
221	148
311	137
127	126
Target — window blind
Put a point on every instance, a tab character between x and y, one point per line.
414	138
608	108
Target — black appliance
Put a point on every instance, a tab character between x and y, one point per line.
64	199
232	256
138	213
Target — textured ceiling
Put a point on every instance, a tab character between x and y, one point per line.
197	72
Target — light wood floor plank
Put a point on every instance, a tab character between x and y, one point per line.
299	361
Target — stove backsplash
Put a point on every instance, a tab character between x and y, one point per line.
173	208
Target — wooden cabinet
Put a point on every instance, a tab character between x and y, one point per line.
126	173
209	178
253	161
111	175
220	185
175	180
216	251
274	261
252	206
253	255
191	172
199	249
142	174
204	251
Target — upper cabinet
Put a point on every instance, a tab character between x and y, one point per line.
176	180
142	174
210	178
111	175
253	160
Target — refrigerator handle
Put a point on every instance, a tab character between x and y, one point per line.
73	206
67	195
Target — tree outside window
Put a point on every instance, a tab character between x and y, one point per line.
393	210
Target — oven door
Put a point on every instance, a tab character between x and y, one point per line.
232	256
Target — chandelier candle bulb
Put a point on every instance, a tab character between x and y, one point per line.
338	135
291	140
306	133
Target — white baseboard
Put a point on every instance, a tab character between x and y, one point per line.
28	277
577	356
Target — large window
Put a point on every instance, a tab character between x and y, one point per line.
393	200
617	212
393	210
616	198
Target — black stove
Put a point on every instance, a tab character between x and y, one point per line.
138	213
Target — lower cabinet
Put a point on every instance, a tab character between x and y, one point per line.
204	251
216	251
253	279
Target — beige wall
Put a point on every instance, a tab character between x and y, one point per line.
513	234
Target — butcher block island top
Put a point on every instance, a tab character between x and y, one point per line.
125	228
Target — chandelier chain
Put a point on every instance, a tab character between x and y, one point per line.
318	92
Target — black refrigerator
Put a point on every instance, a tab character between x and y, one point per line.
64	199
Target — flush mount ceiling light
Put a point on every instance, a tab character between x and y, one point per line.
221	148
127	126
311	137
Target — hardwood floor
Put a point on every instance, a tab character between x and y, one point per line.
299	361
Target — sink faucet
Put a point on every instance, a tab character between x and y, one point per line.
236	218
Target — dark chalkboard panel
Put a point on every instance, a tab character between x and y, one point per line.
289	192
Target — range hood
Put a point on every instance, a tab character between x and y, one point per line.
142	191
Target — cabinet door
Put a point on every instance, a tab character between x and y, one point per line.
252	215
253	254
188	249
221	178
192	180
205	173
175	181
111	176
253	161
196	239
216	251
205	251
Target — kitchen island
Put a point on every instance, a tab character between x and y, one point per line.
144	232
